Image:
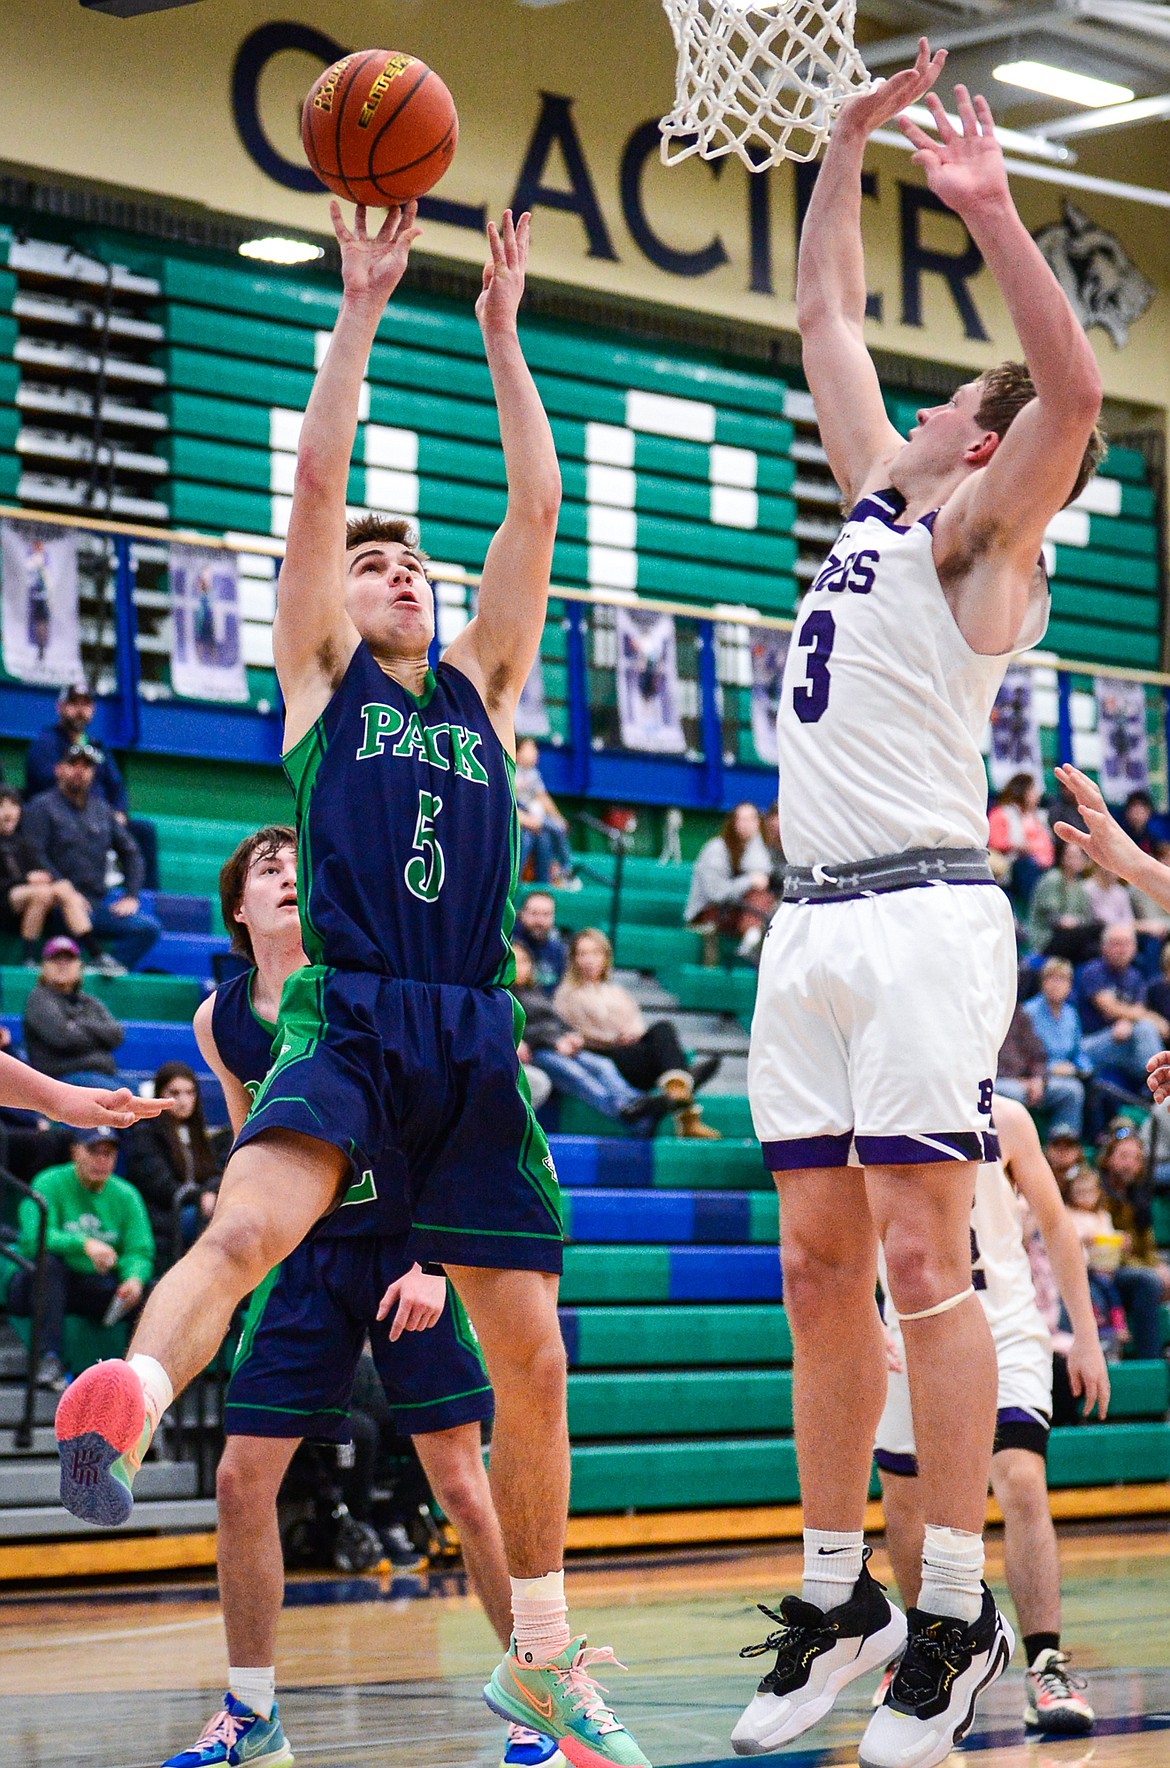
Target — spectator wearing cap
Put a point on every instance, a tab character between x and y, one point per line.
69	1034
100	1250
28	896
1057	1024
70	831
75	710
1121	1032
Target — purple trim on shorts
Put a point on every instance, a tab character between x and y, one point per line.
928	1146
1018	1415
802	1151
904	1465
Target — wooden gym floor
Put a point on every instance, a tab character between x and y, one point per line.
388	1672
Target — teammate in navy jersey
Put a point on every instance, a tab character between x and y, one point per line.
400	1035
294	1371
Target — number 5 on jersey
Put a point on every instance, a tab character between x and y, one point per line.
426	869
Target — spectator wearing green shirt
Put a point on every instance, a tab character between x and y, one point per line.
98	1241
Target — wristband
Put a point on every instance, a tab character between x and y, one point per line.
430	1269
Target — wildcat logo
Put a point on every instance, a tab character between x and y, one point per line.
1102	282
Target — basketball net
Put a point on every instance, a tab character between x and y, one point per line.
760	78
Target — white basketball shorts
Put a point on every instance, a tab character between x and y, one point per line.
879	1022
1023	1401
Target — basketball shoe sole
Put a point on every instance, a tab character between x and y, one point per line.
102	1434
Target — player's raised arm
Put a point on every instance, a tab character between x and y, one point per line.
830	287
999	515
313	637
496	650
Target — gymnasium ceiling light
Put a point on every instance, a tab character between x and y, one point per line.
1112	116
1033	144
1053	82
274	250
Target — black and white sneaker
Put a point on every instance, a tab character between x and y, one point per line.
931	1702
818	1653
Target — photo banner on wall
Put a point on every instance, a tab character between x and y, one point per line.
769	652
42	624
207	658
1124	766
1015	730
647	682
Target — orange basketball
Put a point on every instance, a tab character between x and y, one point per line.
379	128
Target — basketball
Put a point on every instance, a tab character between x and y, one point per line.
379	128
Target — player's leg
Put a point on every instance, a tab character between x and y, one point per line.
453	1463
273	1191
905	1523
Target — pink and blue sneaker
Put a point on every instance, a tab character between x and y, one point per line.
236	1735
530	1749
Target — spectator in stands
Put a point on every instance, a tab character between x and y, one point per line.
1129	1192
99	1245
75	710
70	831
536	931
1142	823
1121	1033
68	1033
1023	1065
1019	837
1103	1246
1110	1245
1154	1136
1057	1025
1064	1152
28	896
730	890
559	1052
1060	916
1158	992
544	832
1108	898
177	1153
609	1019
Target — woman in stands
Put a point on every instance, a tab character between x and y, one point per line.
167	1155
1019	838
609	1019
730	886
28	896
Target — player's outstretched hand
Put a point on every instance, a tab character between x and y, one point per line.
91	1108
1102	838
872	110
503	274
966	171
417	1300
1088	1375
371	269
1158	1076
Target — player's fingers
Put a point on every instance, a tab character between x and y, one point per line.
388	1300
1079	837
983	112
391	223
917	136
359	223
340	229
497	246
509	239
524	234
407	217
946	131
966	112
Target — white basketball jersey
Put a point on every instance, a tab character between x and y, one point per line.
884	703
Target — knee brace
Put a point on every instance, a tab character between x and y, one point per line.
941	1307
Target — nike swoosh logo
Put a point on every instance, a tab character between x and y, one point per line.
828	1552
539	1704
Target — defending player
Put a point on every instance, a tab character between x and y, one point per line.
400	1031
302	1339
888	973
1002	1278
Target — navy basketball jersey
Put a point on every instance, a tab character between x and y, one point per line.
376	1201
406	822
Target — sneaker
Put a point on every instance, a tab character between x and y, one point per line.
236	1734
566	1698
1055	1702
883	1687
103	1431
931	1703
818	1653
105	964
51	1372
530	1749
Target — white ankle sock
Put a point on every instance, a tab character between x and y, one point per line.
952	1573
540	1617
832	1565
156	1386
256	1688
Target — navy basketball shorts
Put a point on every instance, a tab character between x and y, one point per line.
429	1070
304	1333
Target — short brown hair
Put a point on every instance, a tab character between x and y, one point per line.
1056	967
1006	389
266	843
361	530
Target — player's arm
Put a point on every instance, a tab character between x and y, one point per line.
27	1089
830	288
1034	1180
313	637
497	649
1106	842
234	1092
997	519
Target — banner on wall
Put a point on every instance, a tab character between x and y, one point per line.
207	658
1124	766
1015	730
531	711
42	624
769	652
647	682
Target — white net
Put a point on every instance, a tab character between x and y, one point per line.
760	78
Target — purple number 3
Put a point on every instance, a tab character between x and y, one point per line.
811	698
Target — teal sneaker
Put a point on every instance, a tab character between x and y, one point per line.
563	1700
234	1735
